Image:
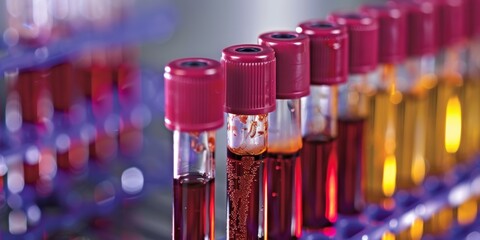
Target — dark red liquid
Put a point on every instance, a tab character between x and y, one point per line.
193	207
243	195
63	86
31	173
32	87
102	87
279	175
74	158
351	160
103	148
319	181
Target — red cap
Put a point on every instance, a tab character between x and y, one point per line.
472	17
451	22
421	26
363	35
250	74
392	26
194	95
292	52
329	51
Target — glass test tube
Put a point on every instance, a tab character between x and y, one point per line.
353	109
469	99
194	90
416	76
381	144
282	169
250	76
445	109
320	183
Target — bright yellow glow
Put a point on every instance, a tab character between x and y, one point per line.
389	175
467	212
416	230
418	169
453	125
388	236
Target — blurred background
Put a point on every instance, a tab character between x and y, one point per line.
132	192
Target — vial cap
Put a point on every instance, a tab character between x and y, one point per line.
451	22
421	26
250	75
363	40
392	26
329	51
292	53
194	95
472	17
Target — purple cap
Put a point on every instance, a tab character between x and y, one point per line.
250	75
194	95
292	52
451	22
421	26
363	35
329	51
392	26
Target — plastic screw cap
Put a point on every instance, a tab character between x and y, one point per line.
451	22
250	73
363	38
329	51
194	94
292	53
392	26
421	26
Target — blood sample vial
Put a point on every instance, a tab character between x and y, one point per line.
328	59
194	100
282	168
250	76
353	111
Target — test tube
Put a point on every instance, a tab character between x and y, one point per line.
445	109
416	76
353	108
250	75
282	167
470	139
194	99
328	59
381	159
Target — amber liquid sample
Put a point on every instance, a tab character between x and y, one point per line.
381	167
194	207
280	184
319	181
440	222
470	139
411	140
243	195
351	157
443	137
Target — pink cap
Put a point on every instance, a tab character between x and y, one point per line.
194	95
363	35
421	26
451	22
392	26
329	51
292	52
250	74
